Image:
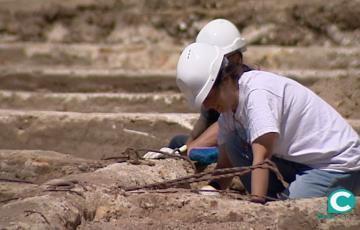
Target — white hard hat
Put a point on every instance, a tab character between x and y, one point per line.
197	69
223	33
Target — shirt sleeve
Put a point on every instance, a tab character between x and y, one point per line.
263	113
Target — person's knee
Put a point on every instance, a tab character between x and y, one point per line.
313	183
297	191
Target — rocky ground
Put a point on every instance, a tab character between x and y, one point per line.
81	81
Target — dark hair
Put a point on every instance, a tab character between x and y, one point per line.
226	68
238	51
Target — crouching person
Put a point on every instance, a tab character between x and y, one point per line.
268	116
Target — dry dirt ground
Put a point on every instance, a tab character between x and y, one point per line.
83	80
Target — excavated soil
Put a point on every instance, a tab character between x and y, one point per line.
83	81
286	22
96	202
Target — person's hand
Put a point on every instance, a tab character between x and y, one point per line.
156	155
208	190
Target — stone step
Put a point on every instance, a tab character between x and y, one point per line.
141	56
93	135
89	135
94	102
345	100
116	80
85	80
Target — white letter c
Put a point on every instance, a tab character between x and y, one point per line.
334	204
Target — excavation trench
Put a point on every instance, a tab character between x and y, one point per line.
92	136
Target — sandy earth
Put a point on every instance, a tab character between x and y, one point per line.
84	80
96	203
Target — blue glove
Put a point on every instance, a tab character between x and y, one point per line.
204	155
